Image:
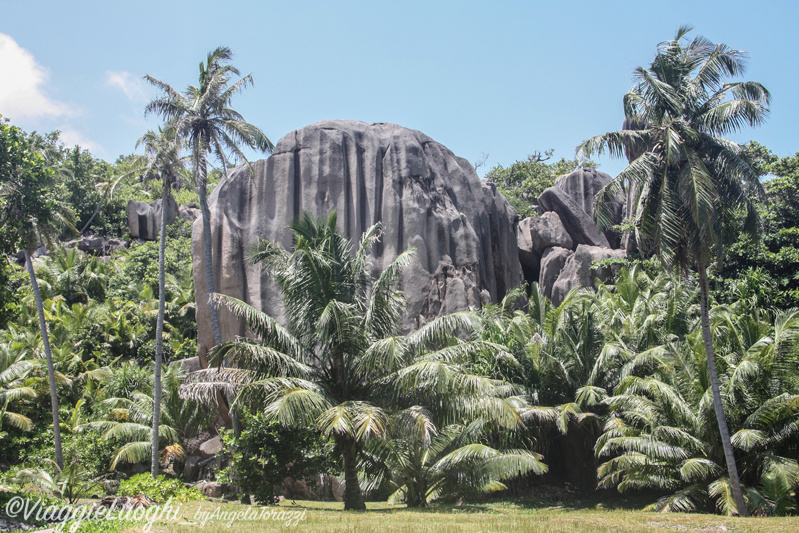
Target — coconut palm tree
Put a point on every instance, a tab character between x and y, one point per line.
203	117
163	158
687	175
338	365
31	214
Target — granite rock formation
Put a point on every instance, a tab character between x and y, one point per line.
549	244
463	230
144	220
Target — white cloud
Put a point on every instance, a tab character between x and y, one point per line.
71	137
134	87
21	91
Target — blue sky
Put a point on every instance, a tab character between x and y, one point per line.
498	78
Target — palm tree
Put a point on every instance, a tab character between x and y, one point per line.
338	365
661	434
14	368
201	116
31	213
687	175
163	158
422	462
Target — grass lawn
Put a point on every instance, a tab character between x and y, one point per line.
506	516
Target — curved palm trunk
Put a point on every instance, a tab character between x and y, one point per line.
159	333
96	210
353	500
202	192
59	459
724	430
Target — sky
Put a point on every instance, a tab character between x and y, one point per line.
493	81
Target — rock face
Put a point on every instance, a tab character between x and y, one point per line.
583	185
144	220
99	246
578	223
552	262
578	271
463	230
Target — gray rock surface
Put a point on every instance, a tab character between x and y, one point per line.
582	185
144	220
99	246
535	235
210	447
552	262
463	230
190	212
578	270
577	222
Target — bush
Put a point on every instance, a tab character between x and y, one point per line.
267	452
159	489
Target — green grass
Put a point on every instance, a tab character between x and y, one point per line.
507	516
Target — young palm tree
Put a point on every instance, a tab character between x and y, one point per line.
337	366
203	117
661	433
422	462
163	158
14	368
687	175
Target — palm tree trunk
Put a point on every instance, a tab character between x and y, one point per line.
353	500
159	333
724	430
59	459
202	192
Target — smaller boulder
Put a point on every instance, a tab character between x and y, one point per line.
552	263
210	489
579	270
210	447
144	220
191	467
189	212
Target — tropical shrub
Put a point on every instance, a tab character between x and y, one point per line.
159	489
266	453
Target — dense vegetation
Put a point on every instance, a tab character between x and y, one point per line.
618	388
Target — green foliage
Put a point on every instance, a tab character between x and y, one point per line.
775	253
140	266
524	181
159	489
266	452
29	206
339	365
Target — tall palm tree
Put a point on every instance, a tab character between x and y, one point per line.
31	215
203	117
163	158
687	175
337	366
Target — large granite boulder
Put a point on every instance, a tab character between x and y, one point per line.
144	220
582	185
577	222
463	230
579	270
